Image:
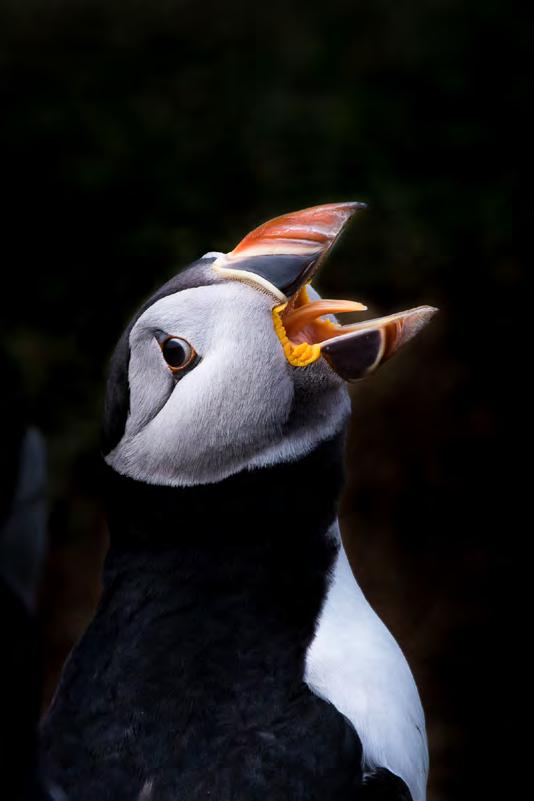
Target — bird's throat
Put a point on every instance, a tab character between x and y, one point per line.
286	502
260	537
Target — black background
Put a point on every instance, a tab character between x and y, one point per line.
137	136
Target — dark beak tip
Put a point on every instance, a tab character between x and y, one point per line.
427	313
350	207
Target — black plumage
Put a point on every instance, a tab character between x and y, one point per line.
189	681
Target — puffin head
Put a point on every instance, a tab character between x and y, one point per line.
236	363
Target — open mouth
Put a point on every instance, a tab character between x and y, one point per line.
353	350
303	329
282	256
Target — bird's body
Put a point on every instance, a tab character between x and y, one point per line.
233	655
191	675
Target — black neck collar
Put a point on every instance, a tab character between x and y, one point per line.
271	502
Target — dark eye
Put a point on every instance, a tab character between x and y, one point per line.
177	352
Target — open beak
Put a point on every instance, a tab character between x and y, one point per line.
281	257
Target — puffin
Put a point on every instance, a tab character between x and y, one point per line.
233	655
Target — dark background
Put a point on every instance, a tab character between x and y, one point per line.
136	136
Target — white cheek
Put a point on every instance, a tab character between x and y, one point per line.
236	409
219	415
151	383
228	407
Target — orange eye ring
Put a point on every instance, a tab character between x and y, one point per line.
178	353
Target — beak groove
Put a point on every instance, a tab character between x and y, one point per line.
356	350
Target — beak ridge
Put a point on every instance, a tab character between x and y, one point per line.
285	252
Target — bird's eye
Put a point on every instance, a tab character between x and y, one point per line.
177	352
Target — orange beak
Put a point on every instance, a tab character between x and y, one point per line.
282	256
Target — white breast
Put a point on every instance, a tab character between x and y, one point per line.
355	663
